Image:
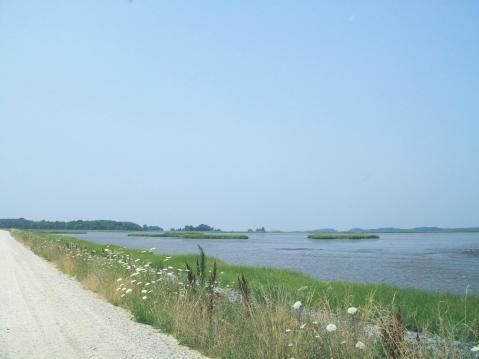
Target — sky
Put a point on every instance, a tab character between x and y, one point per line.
286	114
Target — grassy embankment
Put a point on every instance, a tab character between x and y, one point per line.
342	236
157	291
191	235
61	231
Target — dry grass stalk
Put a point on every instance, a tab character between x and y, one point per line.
190	276
243	287
393	336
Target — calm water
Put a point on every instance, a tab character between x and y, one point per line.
436	262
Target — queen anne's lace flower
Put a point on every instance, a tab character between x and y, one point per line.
352	310
360	345
297	305
331	327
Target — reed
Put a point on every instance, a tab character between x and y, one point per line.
191	235
342	236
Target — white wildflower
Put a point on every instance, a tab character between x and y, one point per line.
360	345
475	349
128	291
331	327
119	279
297	305
302	326
144	297
352	310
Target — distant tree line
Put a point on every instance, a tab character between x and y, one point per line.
261	230
199	228
152	228
22	223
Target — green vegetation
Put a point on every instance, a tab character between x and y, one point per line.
198	228
260	230
191	235
165	291
342	236
105	225
64	231
404	230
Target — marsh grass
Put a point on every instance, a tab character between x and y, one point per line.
156	290
191	235
342	236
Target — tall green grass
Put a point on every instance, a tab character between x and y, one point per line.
267	327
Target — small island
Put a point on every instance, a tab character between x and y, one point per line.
342	236
191	235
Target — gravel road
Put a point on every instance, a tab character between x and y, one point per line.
46	314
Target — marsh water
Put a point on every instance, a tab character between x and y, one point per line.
440	262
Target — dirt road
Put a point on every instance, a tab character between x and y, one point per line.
45	314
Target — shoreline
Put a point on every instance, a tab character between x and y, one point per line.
408	298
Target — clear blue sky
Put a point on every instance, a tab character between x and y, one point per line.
291	115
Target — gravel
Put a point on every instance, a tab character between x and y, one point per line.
46	314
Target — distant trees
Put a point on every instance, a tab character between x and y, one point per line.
22	223
259	230
152	228
198	228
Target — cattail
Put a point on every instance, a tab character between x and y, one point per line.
243	287
201	265
198	271
191	276
211	301
213	276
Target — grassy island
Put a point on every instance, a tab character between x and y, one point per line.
191	235
342	236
